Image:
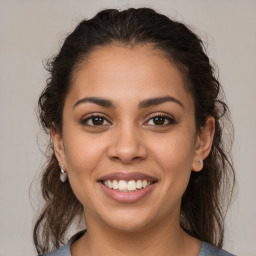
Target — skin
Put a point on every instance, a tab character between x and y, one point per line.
129	140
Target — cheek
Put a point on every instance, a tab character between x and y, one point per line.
176	150
174	156
83	156
83	153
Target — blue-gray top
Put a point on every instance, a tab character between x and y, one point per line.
206	249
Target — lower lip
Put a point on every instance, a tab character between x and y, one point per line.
127	197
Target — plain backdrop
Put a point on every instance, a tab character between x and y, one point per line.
32	31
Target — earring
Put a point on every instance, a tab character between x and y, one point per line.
201	162
63	174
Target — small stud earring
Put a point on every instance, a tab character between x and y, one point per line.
63	174
201	162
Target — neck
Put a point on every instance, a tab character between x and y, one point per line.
160	239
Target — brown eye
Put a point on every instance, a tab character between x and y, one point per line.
160	121
95	121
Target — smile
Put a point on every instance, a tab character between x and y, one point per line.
127	186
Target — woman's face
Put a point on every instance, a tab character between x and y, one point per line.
129	139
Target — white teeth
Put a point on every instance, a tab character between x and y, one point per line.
109	184
139	184
122	185
144	184
131	185
126	186
115	184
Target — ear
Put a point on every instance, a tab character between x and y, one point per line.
203	143
58	146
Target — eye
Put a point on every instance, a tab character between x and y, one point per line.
160	120
95	120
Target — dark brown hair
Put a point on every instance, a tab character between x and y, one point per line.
208	194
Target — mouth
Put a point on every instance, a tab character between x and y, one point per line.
127	187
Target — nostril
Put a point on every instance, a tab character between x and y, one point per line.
115	158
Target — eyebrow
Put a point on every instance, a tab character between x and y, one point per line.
144	104
99	101
157	101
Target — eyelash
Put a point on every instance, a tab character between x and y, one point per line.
85	121
169	119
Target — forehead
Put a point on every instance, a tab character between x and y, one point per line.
116	70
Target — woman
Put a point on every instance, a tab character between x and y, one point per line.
135	116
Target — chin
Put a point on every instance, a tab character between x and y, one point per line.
128	221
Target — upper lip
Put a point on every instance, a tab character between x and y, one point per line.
127	176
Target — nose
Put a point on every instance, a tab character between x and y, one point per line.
127	146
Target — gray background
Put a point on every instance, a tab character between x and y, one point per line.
32	31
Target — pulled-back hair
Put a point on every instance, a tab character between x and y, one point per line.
209	191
